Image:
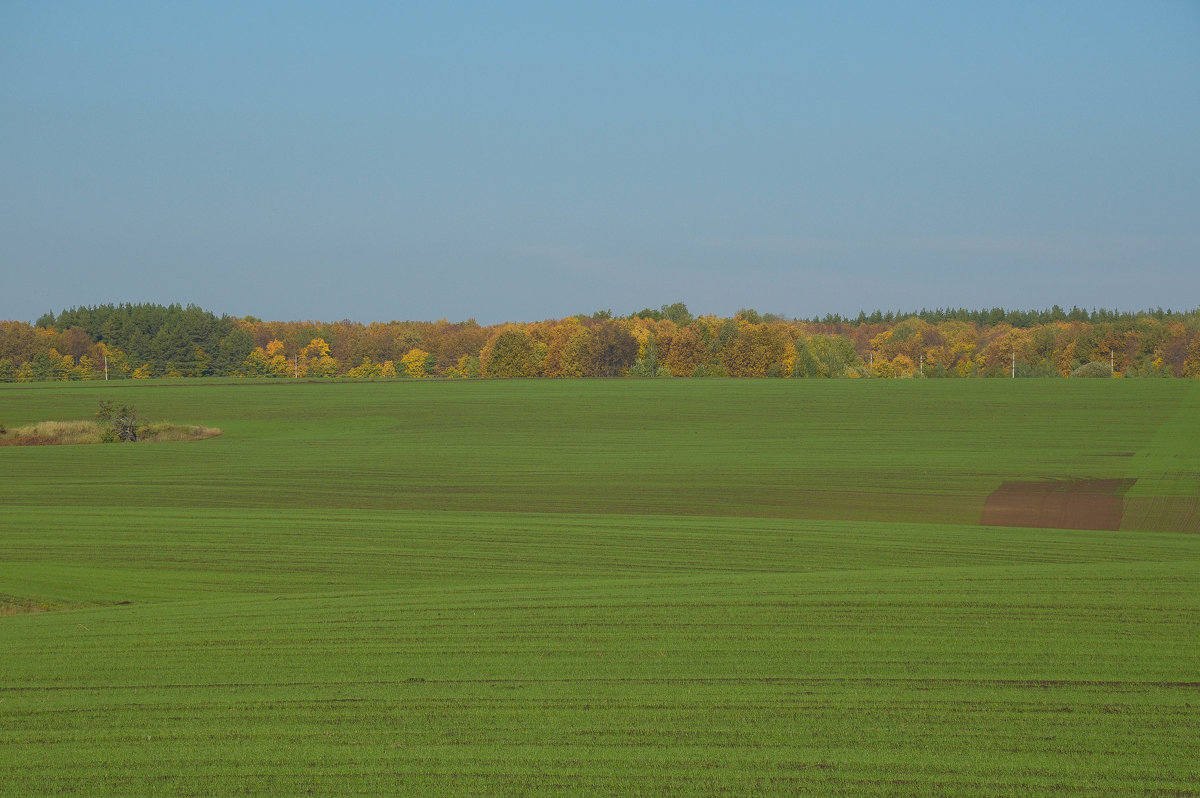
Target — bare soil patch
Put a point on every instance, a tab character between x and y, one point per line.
1058	504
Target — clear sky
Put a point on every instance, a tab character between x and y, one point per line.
521	160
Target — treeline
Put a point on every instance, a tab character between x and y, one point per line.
144	340
1014	318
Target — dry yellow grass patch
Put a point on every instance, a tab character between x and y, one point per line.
159	433
54	432
66	433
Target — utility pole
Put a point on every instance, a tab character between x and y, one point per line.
922	364
1112	363
106	366
296	366
1014	365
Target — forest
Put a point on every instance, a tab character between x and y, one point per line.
140	341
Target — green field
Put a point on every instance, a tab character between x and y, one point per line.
600	588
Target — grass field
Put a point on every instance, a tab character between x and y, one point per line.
600	588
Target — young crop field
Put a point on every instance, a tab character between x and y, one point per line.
623	587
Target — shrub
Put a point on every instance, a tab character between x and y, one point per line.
1093	369
122	420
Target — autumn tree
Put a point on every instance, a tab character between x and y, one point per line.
19	342
1191	365
648	364
757	350
76	342
315	360
611	351
1004	346
465	339
689	349
566	349
266	361
825	356
510	353
467	367
365	370
415	363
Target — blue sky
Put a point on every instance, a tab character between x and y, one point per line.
519	161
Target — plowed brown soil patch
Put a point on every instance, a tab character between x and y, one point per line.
1059	504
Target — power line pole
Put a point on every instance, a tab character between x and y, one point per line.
1014	364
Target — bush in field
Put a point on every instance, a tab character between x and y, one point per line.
1093	369
122	420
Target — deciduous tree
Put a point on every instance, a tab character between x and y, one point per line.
510	353
315	360
415	363
611	350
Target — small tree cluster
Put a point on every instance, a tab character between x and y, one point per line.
122	421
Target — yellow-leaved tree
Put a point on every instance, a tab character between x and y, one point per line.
758	350
1191	365
315	360
118	362
365	370
266	362
85	369
415	363
689	349
567	350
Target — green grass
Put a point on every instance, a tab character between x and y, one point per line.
600	588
